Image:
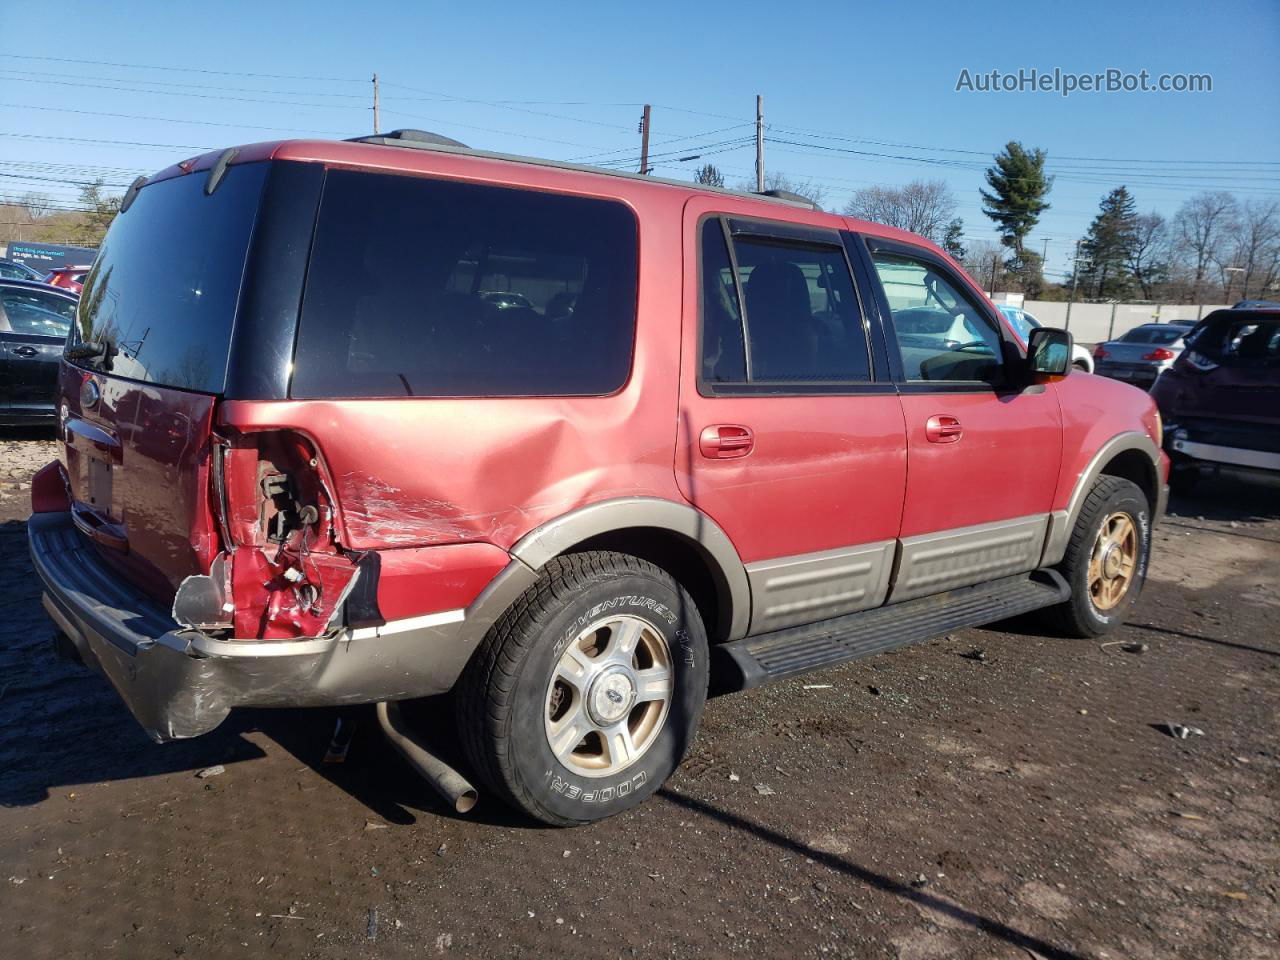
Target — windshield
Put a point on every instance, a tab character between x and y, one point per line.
159	303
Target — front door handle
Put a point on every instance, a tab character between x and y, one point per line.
726	441
943	429
25	351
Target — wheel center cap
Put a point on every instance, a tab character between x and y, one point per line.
1111	562
612	696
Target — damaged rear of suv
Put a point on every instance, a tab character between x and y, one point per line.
590	429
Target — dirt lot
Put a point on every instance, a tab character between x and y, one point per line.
1022	802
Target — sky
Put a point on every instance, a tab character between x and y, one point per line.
855	94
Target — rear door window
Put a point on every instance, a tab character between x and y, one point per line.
160	301
789	315
424	287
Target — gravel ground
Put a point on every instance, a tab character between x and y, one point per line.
995	794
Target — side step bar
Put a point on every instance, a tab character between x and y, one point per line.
796	650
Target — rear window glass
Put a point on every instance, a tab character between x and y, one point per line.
1157	335
421	287
159	303
1254	340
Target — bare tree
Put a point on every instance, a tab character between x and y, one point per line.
923	207
1148	259
815	193
1255	248
38	205
983	261
1201	228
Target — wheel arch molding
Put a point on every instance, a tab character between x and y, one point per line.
655	529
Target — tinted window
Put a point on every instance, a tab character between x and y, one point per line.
31	311
942	335
422	287
1235	340
803	323
723	356
159	303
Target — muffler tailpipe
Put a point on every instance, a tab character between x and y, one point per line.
448	782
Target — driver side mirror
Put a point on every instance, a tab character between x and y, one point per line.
1048	354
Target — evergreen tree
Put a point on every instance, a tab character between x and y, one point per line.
1018	188
709	175
953	239
1109	245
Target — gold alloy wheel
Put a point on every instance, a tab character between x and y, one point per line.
609	696
1113	560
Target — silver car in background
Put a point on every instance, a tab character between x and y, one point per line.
1142	354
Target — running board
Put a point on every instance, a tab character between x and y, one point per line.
816	646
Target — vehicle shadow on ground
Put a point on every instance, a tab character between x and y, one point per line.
1227	496
993	928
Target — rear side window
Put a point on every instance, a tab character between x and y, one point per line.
794	302
1240	340
421	287
161	298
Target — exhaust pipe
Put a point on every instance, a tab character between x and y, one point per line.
450	784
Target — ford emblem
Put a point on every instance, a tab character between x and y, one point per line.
89	394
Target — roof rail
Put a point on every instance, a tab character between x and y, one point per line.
426	140
419	139
790	197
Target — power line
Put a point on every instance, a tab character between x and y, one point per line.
130	116
196	86
183	93
151	66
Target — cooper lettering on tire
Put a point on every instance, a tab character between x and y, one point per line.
585	696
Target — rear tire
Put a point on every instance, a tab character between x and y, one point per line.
1106	559
585	695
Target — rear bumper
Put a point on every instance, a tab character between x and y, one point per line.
1234	456
181	683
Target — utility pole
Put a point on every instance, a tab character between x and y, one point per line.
995	265
759	144
1075	277
644	140
375	105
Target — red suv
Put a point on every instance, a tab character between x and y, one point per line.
696	422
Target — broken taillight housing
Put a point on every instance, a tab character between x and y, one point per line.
282	573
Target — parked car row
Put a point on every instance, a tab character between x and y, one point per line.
34	321
68	278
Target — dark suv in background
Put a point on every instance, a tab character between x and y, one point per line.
1221	398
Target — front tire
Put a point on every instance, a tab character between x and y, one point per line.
585	695
1106	559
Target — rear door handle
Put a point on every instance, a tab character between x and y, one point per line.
726	441
943	429
25	351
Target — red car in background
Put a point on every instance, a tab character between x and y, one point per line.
68	278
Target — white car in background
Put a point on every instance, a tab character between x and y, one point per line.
1024	323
